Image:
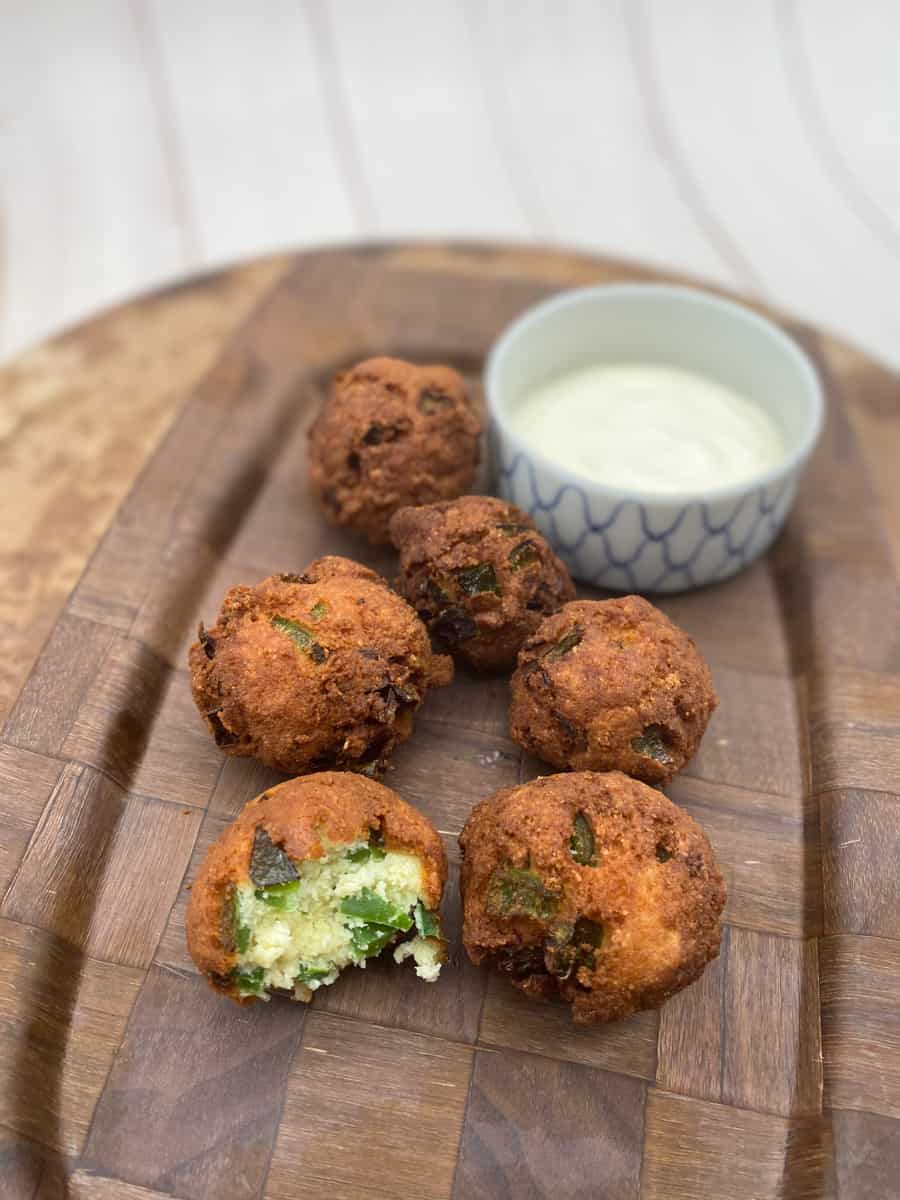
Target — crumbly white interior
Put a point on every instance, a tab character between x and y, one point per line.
426	953
317	936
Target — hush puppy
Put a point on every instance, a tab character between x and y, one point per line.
612	685
391	434
592	889
479	575
315	875
313	671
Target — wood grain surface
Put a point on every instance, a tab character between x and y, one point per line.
752	145
778	1075
81	415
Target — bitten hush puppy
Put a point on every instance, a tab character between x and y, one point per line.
313	671
315	875
479	574
612	685
391	434
592	889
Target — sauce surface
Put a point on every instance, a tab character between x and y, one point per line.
649	428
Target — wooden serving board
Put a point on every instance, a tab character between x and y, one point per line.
124	1076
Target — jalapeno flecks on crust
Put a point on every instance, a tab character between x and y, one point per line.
314	670
591	889
480	575
315	875
608	685
391	434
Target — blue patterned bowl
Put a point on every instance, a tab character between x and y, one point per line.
644	541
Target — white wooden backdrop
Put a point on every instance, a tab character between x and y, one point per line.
755	143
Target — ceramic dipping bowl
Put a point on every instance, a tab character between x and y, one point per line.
641	541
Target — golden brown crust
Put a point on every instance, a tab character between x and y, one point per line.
391	434
340	807
612	685
346	699
333	566
450	548
655	890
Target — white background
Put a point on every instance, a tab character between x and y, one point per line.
755	143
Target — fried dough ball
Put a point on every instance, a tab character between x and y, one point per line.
391	434
612	685
479	574
315	875
592	889
312	671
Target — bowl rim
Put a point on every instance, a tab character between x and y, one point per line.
792	461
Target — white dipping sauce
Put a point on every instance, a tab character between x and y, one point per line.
649	428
